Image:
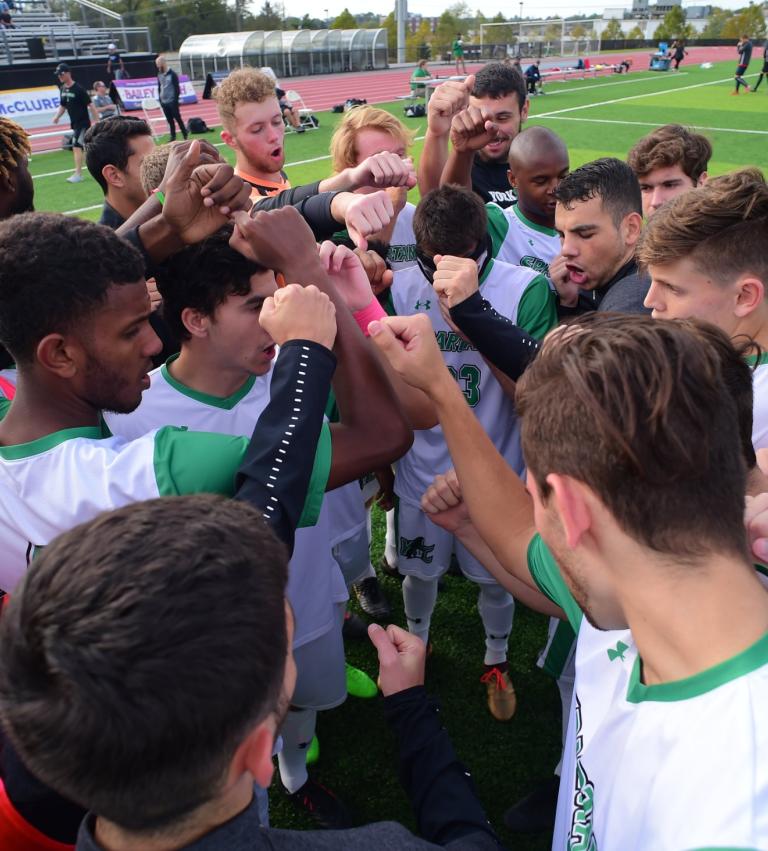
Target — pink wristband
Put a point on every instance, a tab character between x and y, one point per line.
365	316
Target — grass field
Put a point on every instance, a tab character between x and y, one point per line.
597	118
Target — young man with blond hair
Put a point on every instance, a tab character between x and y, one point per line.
667	162
253	127
705	252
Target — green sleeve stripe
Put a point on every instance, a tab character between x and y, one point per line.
546	574
537	312
389	305
196	462
319	479
498	227
331	408
559	649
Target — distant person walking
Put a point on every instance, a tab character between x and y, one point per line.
115	65
678	52
76	101
457	49
764	72
169	89
745	54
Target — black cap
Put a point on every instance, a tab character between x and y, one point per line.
61	68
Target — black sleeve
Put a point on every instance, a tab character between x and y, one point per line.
83	96
288	197
316	211
176	84
506	346
278	463
439	787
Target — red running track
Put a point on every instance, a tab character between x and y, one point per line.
322	92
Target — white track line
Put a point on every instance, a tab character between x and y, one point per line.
651	124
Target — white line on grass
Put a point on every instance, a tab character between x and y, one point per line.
604	85
631	97
651	124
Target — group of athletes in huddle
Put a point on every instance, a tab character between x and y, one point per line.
228	335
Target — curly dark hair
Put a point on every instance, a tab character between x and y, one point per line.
495	80
609	179
202	277
449	220
55	270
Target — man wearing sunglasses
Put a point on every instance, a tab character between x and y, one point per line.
76	101
453	261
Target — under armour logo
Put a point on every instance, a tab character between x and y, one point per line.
618	653
427	305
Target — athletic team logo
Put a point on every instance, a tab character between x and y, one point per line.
535	263
416	548
582	837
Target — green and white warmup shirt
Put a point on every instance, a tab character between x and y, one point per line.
521	296
314	578
670	767
402	246
760	404
518	240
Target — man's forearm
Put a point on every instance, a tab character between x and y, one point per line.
439	787
487	481
277	468
432	161
458	169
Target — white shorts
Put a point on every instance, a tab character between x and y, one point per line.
424	550
353	555
321	676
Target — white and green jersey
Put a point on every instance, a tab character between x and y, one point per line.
49	485
670	767
402	246
314	579
760	403
518	240
521	296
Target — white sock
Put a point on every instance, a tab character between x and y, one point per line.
497	609
419	598
297	731
390	548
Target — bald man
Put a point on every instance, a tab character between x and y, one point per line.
525	234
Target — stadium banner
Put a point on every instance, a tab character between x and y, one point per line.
133	92
30	107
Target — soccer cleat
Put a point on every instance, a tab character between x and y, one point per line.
359	684
313	751
536	811
502	700
322	806
75	178
733	93
354	627
371	598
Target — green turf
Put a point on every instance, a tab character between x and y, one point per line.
356	748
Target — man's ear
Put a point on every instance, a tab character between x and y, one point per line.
631	228
568	500
703	178
229	139
254	755
524	111
750	295
195	322
113	176
511	179
58	355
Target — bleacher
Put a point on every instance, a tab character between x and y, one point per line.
40	33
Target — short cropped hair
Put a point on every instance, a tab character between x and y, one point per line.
153	167
138	652
671	145
344	140
722	227
609	179
14	147
108	143
449	220
202	277
55	271
637	409
246	85
497	80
